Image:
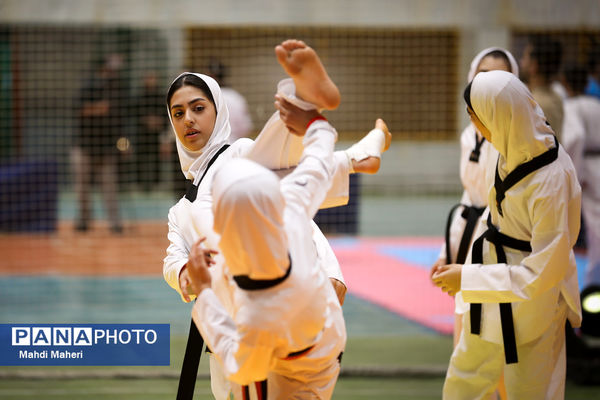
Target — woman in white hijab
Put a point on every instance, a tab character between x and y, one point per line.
286	332
521	280
200	120
477	156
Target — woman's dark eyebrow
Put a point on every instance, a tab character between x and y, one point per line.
189	102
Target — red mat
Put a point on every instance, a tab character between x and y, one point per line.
394	274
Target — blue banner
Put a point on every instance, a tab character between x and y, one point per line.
85	344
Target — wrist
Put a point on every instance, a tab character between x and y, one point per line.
317	118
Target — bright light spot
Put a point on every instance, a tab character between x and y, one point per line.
123	144
591	302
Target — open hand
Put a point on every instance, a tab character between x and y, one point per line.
294	118
200	260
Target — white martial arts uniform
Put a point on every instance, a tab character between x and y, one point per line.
581	138
282	301
473	166
275	148
541	286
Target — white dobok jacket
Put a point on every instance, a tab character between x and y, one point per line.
543	208
267	236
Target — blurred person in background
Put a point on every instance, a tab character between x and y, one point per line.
593	84
239	116
540	64
101	111
152	124
581	138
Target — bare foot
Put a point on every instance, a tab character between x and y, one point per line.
366	154
380	124
303	65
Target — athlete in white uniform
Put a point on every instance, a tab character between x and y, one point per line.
581	138
274	147
477	156
286	325
521	281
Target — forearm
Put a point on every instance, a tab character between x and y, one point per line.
307	185
241	363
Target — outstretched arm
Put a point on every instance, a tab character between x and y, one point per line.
244	352
307	185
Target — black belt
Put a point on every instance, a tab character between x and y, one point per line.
500	241
471	214
476	152
299	353
247	283
521	172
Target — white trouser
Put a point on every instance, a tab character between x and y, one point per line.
308	377
317	385
476	365
219	384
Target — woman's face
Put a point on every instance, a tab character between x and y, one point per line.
485	132
491	63
193	117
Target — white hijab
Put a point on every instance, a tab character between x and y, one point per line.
514	67
193	163
248	211
517	123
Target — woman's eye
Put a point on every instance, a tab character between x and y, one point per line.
177	114
199	108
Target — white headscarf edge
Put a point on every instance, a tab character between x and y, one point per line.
514	66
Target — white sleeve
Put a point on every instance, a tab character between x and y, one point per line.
339	192
325	255
177	252
555	218
245	354
306	187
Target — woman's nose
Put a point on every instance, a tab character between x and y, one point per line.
188	120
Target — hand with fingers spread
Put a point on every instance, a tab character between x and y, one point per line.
447	277
200	260
294	118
